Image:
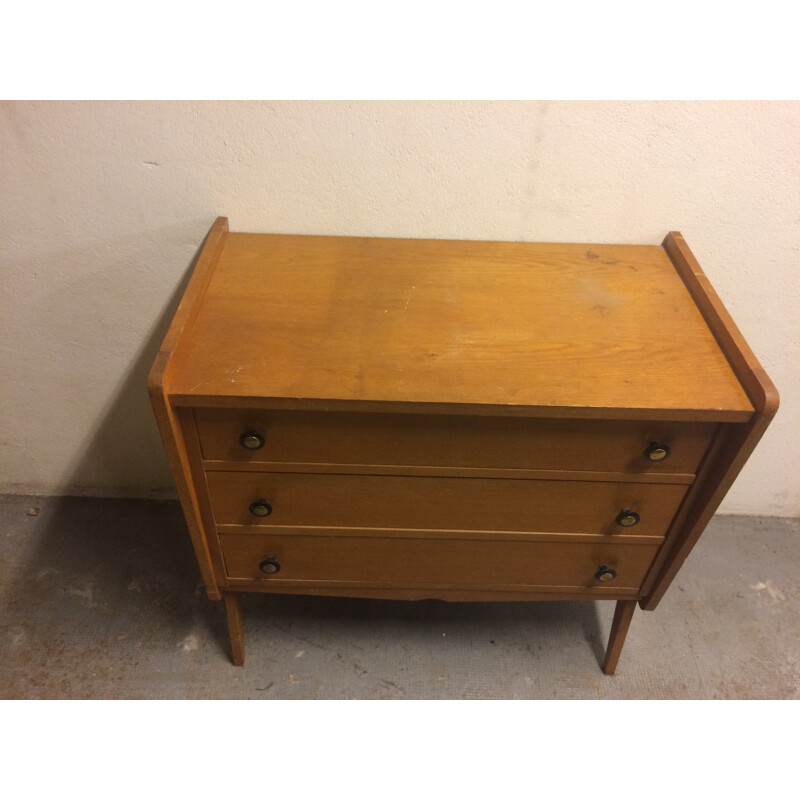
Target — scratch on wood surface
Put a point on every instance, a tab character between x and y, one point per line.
408	299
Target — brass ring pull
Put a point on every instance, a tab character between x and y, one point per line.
269	566
260	508
251	440
627	518
656	452
605	574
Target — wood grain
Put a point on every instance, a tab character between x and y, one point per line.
452	472
443	533
193	295
502	324
334	560
736	442
324	500
452	419
623	614
205	514
760	389
500	594
451	441
654	414
168	424
233	607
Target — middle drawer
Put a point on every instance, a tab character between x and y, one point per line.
383	501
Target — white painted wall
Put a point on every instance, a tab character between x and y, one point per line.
103	205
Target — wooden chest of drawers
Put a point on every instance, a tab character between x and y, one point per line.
461	420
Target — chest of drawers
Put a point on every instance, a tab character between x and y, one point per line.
460	420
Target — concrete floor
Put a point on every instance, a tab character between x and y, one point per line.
102	599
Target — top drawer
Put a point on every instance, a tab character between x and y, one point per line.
295	437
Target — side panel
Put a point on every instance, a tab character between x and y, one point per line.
168	423
735	442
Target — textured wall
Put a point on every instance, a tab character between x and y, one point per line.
103	206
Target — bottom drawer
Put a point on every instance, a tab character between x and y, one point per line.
382	562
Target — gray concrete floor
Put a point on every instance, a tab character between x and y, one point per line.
102	599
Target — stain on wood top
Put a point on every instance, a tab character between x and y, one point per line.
582	327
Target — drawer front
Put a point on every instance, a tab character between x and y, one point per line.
399	562
450	441
380	501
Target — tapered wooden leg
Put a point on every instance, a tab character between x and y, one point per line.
233	605
623	614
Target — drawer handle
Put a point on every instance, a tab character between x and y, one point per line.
605	574
251	440
260	508
656	451
269	566
627	518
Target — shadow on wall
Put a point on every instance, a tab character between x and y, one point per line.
124	455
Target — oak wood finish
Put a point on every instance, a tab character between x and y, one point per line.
233	607
441	533
165	411
451	441
455	472
434	563
496	324
463	503
623	614
735	443
204	510
494	595
460	420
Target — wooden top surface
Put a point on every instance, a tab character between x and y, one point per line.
569	328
